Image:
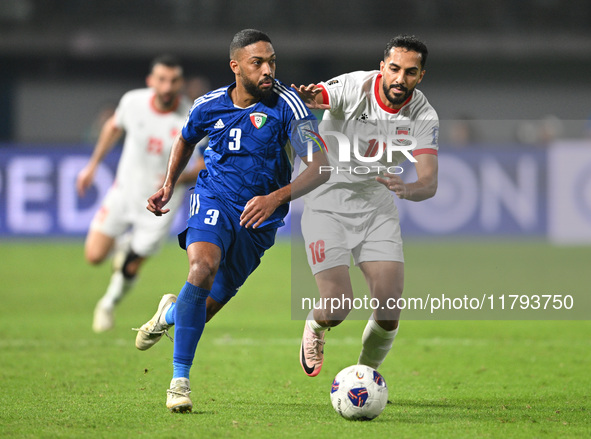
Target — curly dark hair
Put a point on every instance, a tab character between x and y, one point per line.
408	42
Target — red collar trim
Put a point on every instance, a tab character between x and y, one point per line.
153	105
383	106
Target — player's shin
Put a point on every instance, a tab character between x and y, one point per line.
190	314
125	267
119	286
376	343
104	318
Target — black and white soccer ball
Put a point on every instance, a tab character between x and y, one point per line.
359	393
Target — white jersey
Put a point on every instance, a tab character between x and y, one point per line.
148	141
357	111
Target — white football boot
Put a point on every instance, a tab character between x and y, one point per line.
177	397
152	331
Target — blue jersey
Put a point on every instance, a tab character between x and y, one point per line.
248	152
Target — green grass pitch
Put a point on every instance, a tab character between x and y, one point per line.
446	378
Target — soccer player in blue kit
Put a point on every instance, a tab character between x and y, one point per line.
240	199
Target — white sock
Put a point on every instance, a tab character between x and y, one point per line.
118	287
376	343
314	325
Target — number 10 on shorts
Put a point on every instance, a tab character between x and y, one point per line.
317	251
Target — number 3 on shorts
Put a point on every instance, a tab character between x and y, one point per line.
212	219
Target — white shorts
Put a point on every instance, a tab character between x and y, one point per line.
331	238
117	215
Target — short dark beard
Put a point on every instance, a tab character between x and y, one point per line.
396	101
166	104
254	90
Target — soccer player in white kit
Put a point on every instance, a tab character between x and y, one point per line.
354	213
151	118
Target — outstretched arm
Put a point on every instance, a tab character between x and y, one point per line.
109	135
258	209
311	94
179	157
426	185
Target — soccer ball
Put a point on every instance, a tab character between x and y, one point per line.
359	393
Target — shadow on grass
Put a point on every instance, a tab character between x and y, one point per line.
500	409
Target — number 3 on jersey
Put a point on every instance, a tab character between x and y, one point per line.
212	219
235	134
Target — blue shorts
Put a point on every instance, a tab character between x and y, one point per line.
242	249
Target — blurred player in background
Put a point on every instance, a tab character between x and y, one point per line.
151	118
240	199
197	86
354	214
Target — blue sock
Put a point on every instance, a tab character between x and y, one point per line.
169	316
189	316
180	370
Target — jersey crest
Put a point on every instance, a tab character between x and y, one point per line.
258	119
405	131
